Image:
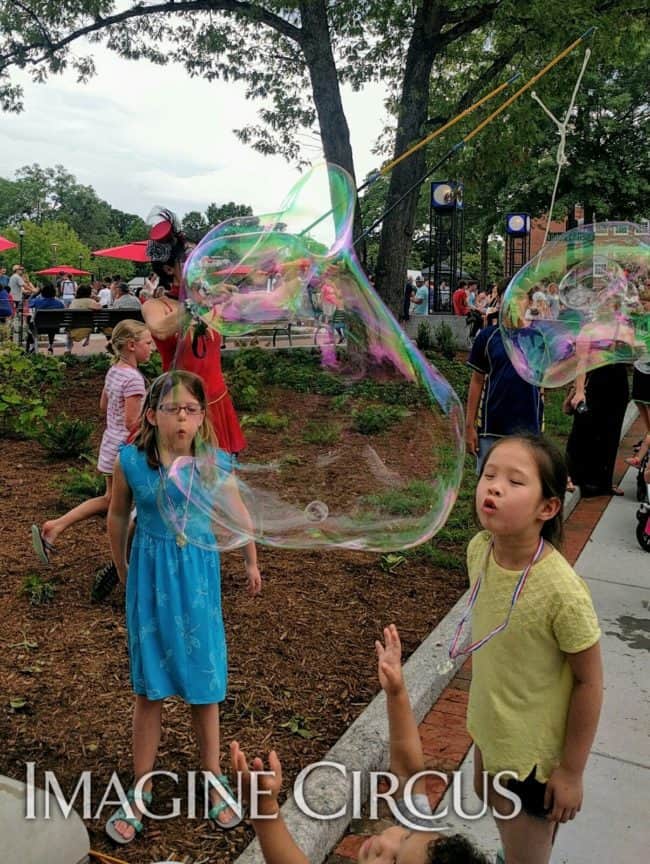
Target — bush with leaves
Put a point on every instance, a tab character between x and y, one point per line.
268	421
423	337
374	419
321	433
81	484
37	589
28	382
64	436
245	388
443	341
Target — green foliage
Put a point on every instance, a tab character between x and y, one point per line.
374	419
28	382
152	368
38	590
457	372
443	340
415	498
81	484
245	389
99	363
321	433
64	436
268	421
423	338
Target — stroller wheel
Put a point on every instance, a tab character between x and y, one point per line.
643	527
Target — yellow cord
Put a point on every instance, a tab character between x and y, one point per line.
521	90
444	128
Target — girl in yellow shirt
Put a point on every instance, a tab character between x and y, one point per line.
537	680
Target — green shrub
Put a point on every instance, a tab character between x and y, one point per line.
99	363
443	340
81	484
152	368
38	590
415	498
65	437
374	419
423	336
321	433
28	382
269	421
245	389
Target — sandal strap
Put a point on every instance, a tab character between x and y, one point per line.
134	796
214	811
120	816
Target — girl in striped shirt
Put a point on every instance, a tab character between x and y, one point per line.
121	401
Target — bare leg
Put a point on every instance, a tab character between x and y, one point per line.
525	839
205	720
146	739
93	507
644	413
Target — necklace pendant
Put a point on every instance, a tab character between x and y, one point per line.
181	540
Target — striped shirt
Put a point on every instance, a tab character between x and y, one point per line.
121	382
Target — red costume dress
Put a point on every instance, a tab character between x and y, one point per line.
205	361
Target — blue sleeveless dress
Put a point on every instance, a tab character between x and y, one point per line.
177	644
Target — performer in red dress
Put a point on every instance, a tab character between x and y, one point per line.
198	350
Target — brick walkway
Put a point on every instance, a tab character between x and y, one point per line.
445	741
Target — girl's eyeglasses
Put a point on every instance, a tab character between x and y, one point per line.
192	410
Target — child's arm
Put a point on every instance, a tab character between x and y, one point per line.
473	399
119	513
406	756
243	519
564	788
103	402
132	409
278	846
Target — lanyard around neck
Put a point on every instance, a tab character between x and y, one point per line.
454	650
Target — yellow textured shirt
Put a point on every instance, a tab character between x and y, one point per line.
521	679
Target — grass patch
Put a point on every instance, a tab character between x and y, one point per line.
38	590
374	419
321	433
413	499
80	484
268	420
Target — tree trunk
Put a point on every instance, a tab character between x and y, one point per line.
334	131
397	228
484	262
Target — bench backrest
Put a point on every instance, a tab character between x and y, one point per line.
46	320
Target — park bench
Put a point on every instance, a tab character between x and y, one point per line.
268	332
46	321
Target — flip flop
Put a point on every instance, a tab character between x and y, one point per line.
120	815
42	548
213	812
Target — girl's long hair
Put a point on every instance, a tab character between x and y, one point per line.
552	474
146	436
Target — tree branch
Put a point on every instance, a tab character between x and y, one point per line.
34	16
469	21
241	7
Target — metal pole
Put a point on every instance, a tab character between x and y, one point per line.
21	302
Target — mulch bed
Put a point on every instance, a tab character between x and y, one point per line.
301	663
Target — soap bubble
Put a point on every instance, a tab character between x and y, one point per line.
582	302
353	439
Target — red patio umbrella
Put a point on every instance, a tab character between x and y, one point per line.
63	268
6	244
136	251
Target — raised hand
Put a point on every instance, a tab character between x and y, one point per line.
389	665
270	784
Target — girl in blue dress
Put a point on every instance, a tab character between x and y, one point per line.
176	637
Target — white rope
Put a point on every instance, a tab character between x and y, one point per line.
562	127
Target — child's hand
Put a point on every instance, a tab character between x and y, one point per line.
267	803
563	794
254	579
389	666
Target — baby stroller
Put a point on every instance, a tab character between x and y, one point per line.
643	513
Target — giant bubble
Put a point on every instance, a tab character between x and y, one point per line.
582	302
353	439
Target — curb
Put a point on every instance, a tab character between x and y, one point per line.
364	746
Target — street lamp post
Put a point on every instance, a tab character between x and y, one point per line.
54	248
21	302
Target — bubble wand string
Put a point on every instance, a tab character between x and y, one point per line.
460	144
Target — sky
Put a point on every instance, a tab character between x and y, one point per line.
142	135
